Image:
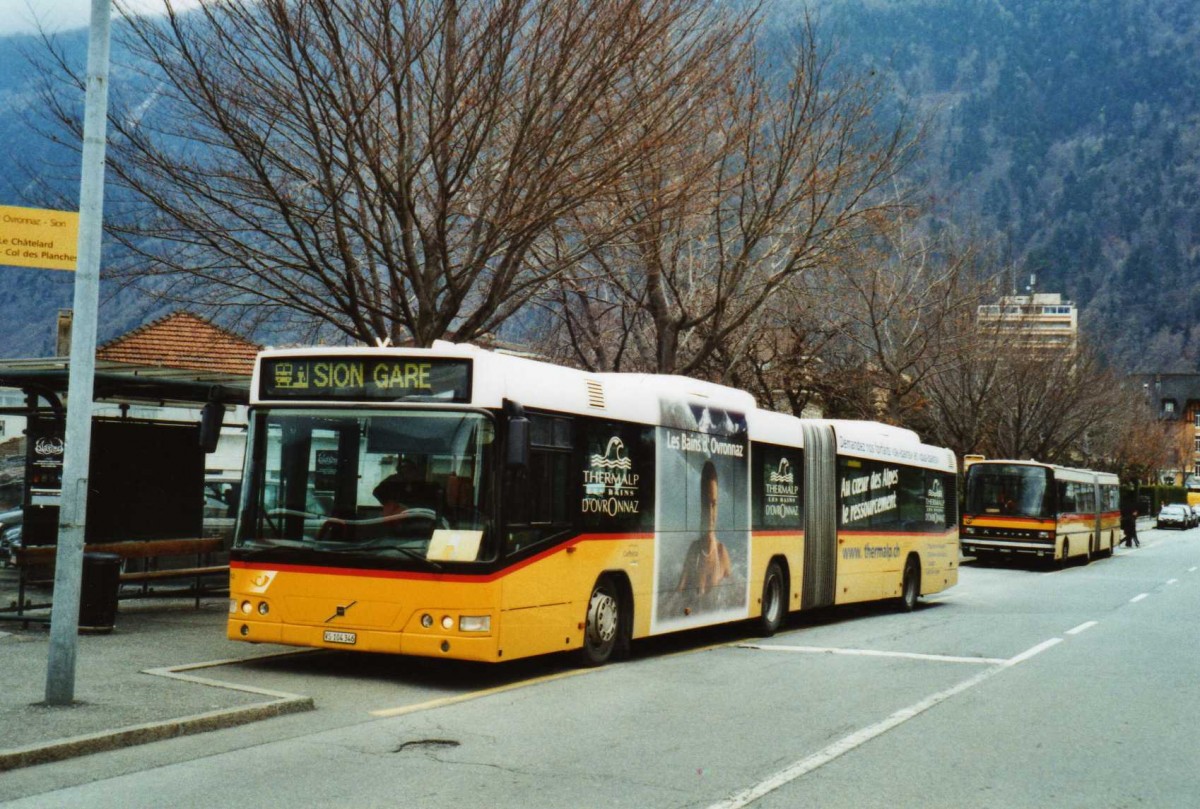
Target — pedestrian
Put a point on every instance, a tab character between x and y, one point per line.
1129	528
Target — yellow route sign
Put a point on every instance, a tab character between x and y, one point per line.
36	237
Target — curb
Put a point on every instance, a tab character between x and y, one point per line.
282	703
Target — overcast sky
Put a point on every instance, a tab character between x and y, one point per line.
23	16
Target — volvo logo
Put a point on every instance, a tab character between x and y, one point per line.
340	611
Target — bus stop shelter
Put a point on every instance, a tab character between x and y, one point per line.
147	471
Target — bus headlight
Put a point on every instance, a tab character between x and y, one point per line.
247	607
263	609
475	623
427	620
232	606
447	622
1044	535
968	530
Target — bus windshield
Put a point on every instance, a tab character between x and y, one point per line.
397	485
1009	489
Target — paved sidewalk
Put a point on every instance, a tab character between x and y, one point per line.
154	676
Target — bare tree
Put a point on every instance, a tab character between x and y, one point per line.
1010	397
784	172
961	411
1134	443
907	302
385	167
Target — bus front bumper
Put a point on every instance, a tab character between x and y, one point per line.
972	546
457	645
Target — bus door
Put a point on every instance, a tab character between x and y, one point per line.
820	516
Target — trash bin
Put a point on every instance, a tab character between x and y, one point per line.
98	593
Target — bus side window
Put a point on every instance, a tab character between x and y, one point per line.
544	508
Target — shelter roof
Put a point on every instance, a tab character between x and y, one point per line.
183	341
177	359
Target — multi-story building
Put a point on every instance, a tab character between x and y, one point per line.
1039	321
1175	398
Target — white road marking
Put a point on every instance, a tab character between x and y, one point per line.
1082	628
1138	598
1191	570
1172	581
766	647
858	738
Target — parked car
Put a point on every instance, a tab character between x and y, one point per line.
1196	514
10	534
1174	516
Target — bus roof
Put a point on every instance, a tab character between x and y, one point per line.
1060	471
635	397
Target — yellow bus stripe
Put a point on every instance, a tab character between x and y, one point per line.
403	710
487	692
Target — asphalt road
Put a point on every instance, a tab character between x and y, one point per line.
1021	687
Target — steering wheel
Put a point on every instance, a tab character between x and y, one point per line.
331	530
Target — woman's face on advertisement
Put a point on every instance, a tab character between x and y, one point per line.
708	506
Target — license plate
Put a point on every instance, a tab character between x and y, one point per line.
340	637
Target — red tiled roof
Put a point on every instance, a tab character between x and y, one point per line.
183	340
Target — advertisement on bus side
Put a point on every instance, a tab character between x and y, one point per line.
703	541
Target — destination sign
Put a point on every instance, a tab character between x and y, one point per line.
362	379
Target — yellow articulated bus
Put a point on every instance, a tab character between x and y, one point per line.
1053	512
454	502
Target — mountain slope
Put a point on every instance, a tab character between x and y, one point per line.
1067	130
1071	130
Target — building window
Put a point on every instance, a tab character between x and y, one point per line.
1168	407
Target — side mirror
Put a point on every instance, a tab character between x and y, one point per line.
211	418
517	455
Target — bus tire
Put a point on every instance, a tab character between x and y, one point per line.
910	585
774	600
603	624
1066	555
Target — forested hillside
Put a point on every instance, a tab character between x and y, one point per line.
1066	130
1070	131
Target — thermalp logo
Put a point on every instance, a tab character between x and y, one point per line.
782	495
935	503
610	486
48	447
784	475
612	457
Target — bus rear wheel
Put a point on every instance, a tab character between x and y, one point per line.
910	585
774	601
603	625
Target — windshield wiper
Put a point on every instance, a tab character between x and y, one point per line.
373	548
412	553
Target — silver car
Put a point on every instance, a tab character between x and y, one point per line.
1174	516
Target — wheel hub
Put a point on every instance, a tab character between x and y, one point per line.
602	618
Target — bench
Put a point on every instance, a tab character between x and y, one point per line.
35	562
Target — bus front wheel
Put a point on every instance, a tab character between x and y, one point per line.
910	585
603	624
